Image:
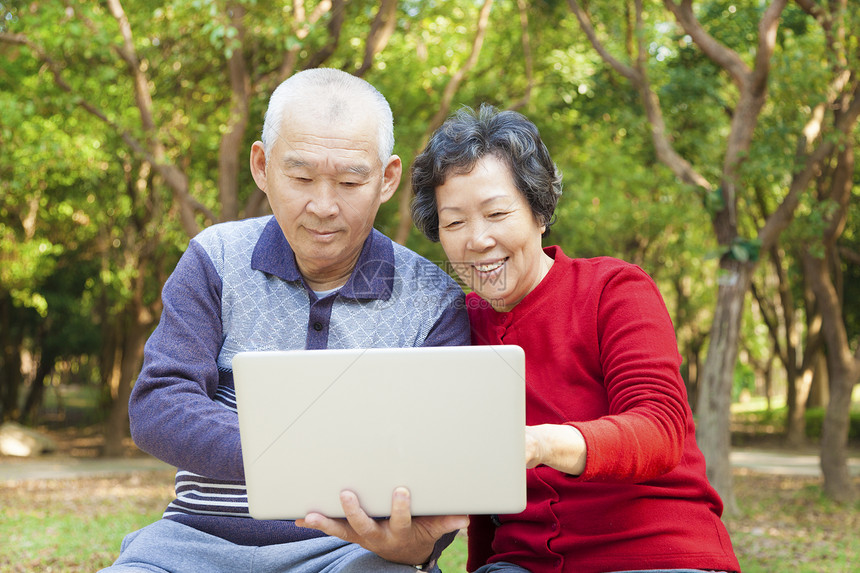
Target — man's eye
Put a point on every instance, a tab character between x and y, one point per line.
302	179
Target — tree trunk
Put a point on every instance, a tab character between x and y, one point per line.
229	151
843	366
693	363
798	392
808	372
834	436
36	394
819	393
10	362
844	373
715	384
134	337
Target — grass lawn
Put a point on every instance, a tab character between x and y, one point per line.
77	525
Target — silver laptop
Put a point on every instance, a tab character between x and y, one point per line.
446	422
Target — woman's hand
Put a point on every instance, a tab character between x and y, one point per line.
556	445
401	538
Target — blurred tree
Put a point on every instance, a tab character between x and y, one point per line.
741	43
124	79
124	128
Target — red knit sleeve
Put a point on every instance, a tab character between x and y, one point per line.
643	435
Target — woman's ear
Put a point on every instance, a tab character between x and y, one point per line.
258	165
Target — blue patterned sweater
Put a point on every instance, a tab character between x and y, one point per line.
237	288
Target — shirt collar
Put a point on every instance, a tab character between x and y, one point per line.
372	277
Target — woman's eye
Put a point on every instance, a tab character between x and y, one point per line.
497	214
451	224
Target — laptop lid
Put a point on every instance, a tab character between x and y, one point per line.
446	422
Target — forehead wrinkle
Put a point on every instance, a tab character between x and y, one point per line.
296	160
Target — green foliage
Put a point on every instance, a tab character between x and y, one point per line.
772	421
453	559
744	250
744	380
8	15
87	224
815	420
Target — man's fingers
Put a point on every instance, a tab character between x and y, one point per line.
455	522
336	527
401	514
360	522
438	525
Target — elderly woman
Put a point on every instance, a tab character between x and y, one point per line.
616	481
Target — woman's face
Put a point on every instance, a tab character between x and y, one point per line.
490	235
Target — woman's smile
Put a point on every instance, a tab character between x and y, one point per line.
490	234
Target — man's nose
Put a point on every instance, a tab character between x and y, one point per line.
325	202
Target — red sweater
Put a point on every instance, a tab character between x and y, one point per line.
601	355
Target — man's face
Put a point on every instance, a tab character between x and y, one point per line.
325	183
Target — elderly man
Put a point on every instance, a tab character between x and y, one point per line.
315	275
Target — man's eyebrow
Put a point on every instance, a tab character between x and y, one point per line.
360	170
290	162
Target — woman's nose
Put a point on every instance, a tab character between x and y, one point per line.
480	238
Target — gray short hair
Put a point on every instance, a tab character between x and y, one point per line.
341	90
468	136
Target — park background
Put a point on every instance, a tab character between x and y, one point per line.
712	143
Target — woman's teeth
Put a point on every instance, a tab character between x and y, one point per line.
488	267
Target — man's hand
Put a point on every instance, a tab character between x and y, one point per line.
401	538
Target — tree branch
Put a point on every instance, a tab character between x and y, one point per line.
141	90
585	24
849	255
768	315
458	77
404	225
717	52
334	26
380	32
767	29
301	28
173	176
782	217
527	56
20	39
639	78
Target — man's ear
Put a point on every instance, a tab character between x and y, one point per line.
391	177
258	164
